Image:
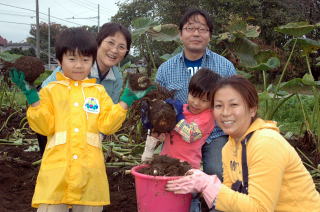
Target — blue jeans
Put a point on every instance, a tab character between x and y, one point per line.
212	164
212	156
195	203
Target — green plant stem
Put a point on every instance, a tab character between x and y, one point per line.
265	89
284	70
308	65
36	162
6	121
150	53
224	52
306	119
279	103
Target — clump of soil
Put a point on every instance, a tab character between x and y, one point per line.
159	93
162	165
138	82
32	67
162	116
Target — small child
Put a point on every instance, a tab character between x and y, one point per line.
186	140
71	112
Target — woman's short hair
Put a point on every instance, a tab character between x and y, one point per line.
110	29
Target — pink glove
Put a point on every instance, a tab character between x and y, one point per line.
197	181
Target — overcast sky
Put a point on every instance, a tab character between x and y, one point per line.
17	15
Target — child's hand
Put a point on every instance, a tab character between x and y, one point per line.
19	79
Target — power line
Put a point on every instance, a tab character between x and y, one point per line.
12	22
39	13
15	14
83	5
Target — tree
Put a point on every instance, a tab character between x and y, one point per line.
55	29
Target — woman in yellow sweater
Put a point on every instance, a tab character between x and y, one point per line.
277	179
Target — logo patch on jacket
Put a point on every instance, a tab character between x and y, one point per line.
91	105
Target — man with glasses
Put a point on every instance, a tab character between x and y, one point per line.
195	33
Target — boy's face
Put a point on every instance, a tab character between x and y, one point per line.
76	66
198	104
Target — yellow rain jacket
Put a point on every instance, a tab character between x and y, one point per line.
71	114
278	181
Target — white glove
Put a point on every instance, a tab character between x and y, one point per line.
196	181
149	148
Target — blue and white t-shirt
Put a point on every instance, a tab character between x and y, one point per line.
193	65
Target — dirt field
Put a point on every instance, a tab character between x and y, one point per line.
18	178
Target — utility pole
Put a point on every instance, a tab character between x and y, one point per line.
37	30
98	17
49	40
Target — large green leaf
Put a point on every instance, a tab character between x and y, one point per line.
305	44
293	83
271	64
164	32
295	29
166	57
306	80
245	49
238	27
141	25
264	55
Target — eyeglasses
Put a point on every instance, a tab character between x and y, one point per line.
201	30
120	48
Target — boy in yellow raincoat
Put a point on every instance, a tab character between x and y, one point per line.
71	112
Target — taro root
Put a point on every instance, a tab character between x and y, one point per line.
138	82
162	165
162	116
32	67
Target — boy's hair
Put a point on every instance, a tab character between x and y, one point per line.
203	83
76	39
110	29
191	13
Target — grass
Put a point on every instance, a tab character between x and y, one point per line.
290	117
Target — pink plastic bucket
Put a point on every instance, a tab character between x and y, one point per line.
152	196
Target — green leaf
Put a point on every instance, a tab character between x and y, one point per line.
245	49
239	27
264	55
271	64
305	44
308	79
264	96
295	29
165	32
166	57
294	83
244	74
141	25
9	57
